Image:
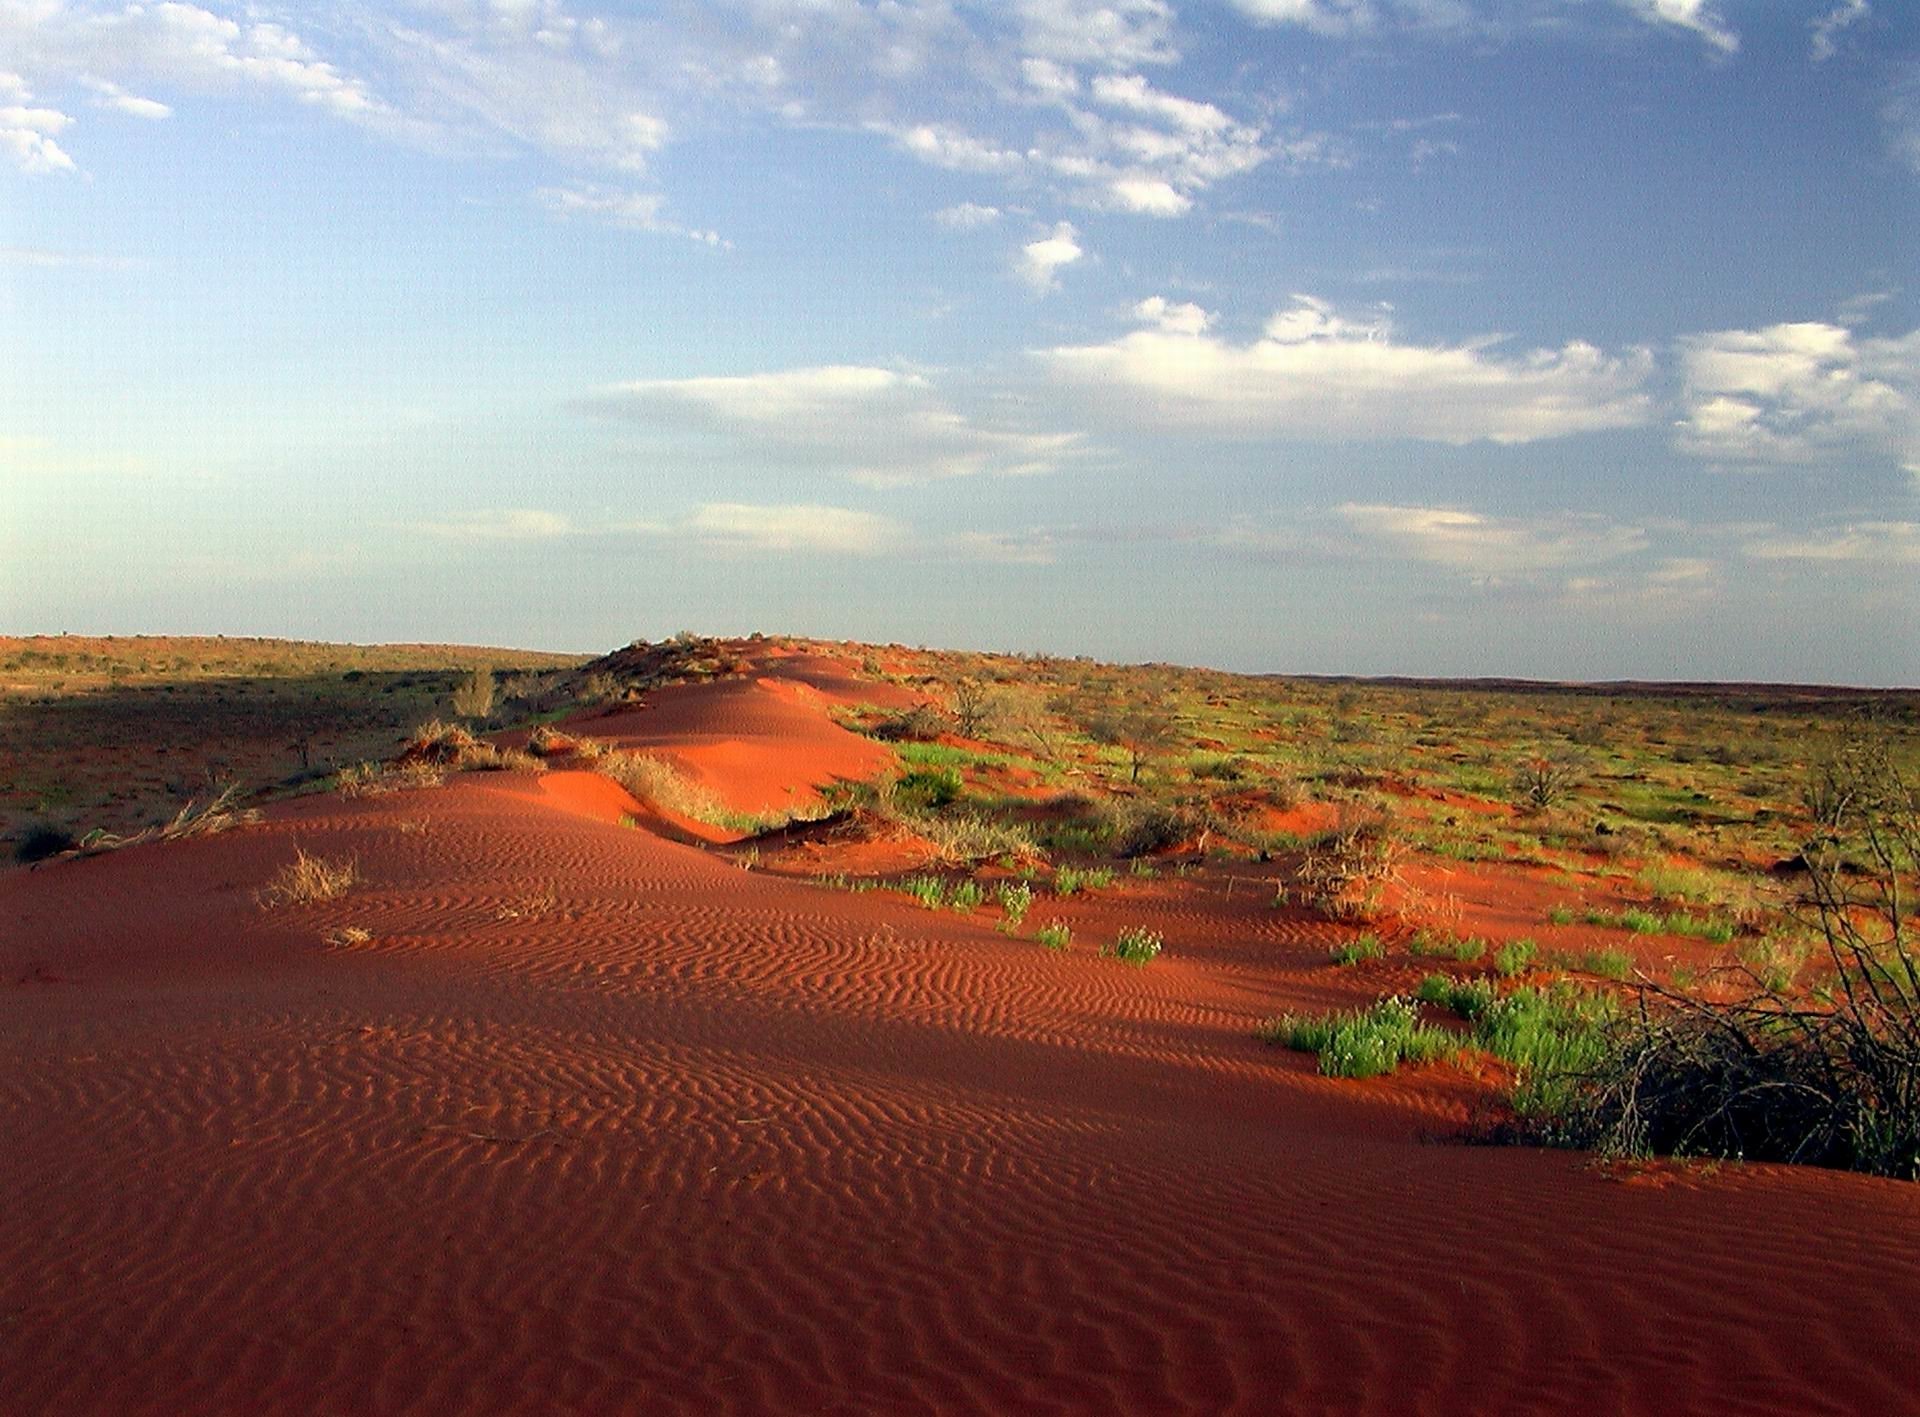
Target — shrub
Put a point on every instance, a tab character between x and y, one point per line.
921	724
1542	783
1134	945
1362	1043
1832	1081
42	840
474	696
1055	935
1346	872
967	895
1071	879
927	789
308	879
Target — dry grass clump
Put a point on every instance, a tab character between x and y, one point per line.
347	937
307	880
546	742
377	779
194	819
922	724
437	742
657	781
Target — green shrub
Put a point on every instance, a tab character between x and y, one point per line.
1055	935
927	789
966	895
1470	998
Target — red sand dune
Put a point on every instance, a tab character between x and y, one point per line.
599	1122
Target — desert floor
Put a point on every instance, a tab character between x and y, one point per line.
599	1119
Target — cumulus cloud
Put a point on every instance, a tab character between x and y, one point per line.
1042	260
1492	547
1331	17
635	211
799	527
878	427
1315	372
1800	392
28	132
1699	16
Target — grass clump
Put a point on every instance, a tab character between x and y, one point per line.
1055	935
966	895
930	891
1016	899
1515	957
1069	880
1362	1043
1134	945
1470	998
1352	952
309	879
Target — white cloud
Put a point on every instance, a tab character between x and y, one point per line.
1492	547
806	528
169	45
1316	373
1890	542
1114	34
1829	25
635	211
877	427
1330	17
115	97
1699	16
27	136
1041	261
943	145
967	216
501	524
1801	392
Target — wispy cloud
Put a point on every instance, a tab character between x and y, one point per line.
1315	372
1701	17
875	426
1493	547
1828	27
796	528
501	524
1884	542
632	211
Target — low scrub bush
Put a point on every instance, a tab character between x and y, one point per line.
1346	873
1016	899
1515	957
1055	935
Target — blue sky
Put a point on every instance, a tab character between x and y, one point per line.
1559	338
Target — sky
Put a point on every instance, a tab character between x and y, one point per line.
1573	339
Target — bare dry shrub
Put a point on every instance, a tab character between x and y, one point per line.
474	696
1346	872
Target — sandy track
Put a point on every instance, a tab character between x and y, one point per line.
683	1138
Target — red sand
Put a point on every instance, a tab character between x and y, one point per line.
600	1122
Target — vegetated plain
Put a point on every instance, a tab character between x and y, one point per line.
764	1024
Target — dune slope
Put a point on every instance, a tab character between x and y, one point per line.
597	1121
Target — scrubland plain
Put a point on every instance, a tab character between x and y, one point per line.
765	1025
